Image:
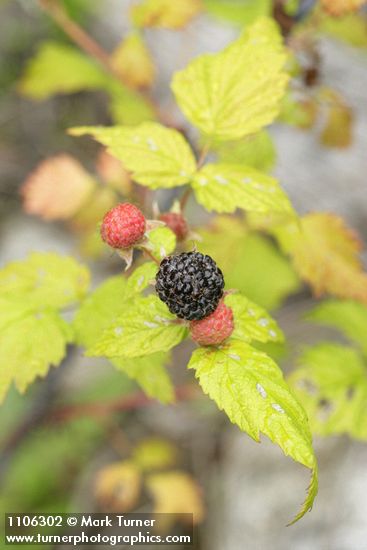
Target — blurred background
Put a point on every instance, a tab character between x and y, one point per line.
83	456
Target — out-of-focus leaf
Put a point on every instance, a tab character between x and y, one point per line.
325	253
128	106
45	280
165	13
113	173
133	62
347	316
239	12
337	131
236	92
176	492
56	69
337	8
157	156
161	242
332	384
150	373
351	29
250	388
146	327
257	151
301	113
154	454
250	262
57	188
226	187
118	486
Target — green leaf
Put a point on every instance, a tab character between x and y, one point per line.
332	384
257	151
250	388
146	327
348	316
142	276
150	374
245	259
226	187
236	92
57	68
351	28
161	242
157	156
127	106
251	321
238	12
45	280
29	345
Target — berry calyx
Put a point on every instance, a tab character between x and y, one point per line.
123	226
214	329
191	284
177	223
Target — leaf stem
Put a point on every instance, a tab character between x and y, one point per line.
150	255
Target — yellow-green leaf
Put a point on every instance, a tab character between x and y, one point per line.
236	92
161	242
165	13
45	280
250	388
226	187
146	327
238	12
257	151
56	69
157	156
150	373
154	454
133	62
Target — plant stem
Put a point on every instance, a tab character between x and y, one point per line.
150	255
127	403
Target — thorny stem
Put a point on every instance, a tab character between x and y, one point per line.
201	160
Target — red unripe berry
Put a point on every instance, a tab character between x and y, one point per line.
214	329
123	226
177	223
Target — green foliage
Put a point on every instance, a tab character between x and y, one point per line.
146	327
250	388
332	383
56	69
348	316
127	106
257	151
225	187
157	156
351	28
245	258
150	374
33	335
238	12
236	92
252	322
162	241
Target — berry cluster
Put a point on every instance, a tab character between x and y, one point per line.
191	285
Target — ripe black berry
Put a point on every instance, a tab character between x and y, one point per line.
191	285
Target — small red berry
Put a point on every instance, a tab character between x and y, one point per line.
214	329
123	226
177	223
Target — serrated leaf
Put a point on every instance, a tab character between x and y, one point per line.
161	242
348	316
236	92
118	486
226	187
250	388
150	373
145	328
157	156
332	383
142	276
29	345
239	12
251	321
57	188
325	253
165	13
45	280
154	454
57	68
176	492
257	151
245	257
133	62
